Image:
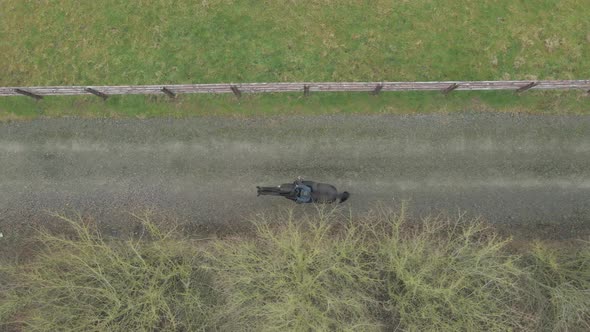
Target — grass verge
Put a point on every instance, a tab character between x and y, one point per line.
316	271
163	42
140	107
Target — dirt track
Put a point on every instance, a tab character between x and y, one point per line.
507	168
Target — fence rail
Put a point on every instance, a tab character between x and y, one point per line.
446	87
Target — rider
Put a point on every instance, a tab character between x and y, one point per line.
315	192
301	191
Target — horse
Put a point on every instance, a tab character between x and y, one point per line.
320	192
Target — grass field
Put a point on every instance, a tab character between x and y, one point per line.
171	42
319	271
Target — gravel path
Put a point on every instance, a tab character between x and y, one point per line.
507	168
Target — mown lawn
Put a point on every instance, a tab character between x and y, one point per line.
165	42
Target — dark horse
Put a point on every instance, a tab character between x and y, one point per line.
300	189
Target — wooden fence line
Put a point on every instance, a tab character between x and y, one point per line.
446	87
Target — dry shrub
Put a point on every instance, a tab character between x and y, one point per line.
321	270
300	273
84	283
559	284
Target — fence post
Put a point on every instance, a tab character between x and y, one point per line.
29	94
236	91
450	88
305	90
377	89
102	95
168	92
526	87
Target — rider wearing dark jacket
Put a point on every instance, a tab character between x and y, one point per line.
316	192
301	192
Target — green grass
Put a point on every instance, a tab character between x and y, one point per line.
18	108
298	271
163	42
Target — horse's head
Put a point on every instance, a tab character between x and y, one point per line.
343	196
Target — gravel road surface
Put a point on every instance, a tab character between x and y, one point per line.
506	168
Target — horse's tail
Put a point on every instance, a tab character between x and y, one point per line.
344	196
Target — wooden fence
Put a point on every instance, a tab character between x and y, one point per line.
306	88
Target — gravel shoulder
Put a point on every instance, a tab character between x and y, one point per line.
510	169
